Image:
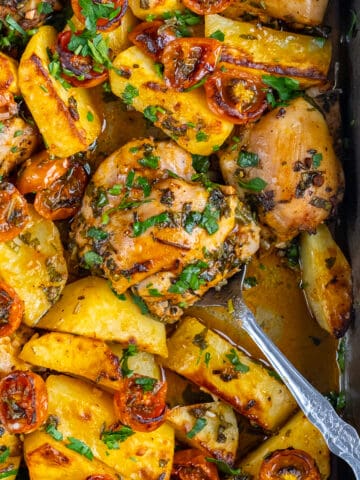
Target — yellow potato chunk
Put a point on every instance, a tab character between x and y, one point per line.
9	74
271	51
48	459
34	265
326	276
67	118
144	8
84	412
88	307
184	116
210	427
298	433
210	361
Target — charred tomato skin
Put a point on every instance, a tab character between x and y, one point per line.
152	38
191	464
280	463
11	310
103	24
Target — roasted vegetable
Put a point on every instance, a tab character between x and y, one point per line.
55	108
209	427
183	116
210	361
290	54
290	461
9	74
154	8
326	277
307	12
295	179
89	307
297	433
33	264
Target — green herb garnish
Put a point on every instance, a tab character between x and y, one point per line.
235	361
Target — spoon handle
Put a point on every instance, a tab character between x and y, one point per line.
341	438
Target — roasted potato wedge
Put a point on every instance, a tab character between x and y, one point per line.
289	54
210	361
49	459
326	278
10	347
219	436
88	307
184	116
84	412
299	433
34	265
52	105
144	8
9	74
307	12
84	357
302	177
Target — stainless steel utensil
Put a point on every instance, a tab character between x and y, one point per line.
341	438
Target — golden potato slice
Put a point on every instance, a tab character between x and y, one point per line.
144	8
34	265
307	12
270	51
210	361
66	131
48	459
326	277
184	116
84	412
88	307
298	433
298	176
9	74
210	427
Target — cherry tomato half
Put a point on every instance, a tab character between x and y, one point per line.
40	172
235	96
192	465
289	462
13	212
8	106
11	310
140	403
114	12
23	401
152	38
63	197
207	7
83	68
188	60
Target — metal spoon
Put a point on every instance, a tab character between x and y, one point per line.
341	438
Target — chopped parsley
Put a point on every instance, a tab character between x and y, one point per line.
218	35
144	184
248	159
199	425
154	292
317	159
181	21
150	112
200	163
140	227
79	447
4	453
115	189
129	94
340	357
9	473
94	11
255	184
235	361
51	429
189	278
207	358
97	233
250	282
337	400
127	353
92	259
149	161
286	88
140	303
146	383
18	133
113	438
2	127
201	136
44	8
223	467
90	116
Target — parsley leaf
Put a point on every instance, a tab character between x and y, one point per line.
285	87
44	8
4	453
141	227
218	35
112	438
91	259
129	94
9	473
127	353
51	429
247	159
97	233
224	467
199	425
140	303
189	278
146	383
79	447
150	112
150	161
200	163
235	361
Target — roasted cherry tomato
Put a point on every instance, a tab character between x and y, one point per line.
11	310
40	172
152	38
23	401
188	60
13	212
62	198
85	72
8	106
113	10
282	464
235	96
140	403
207	7
192	465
